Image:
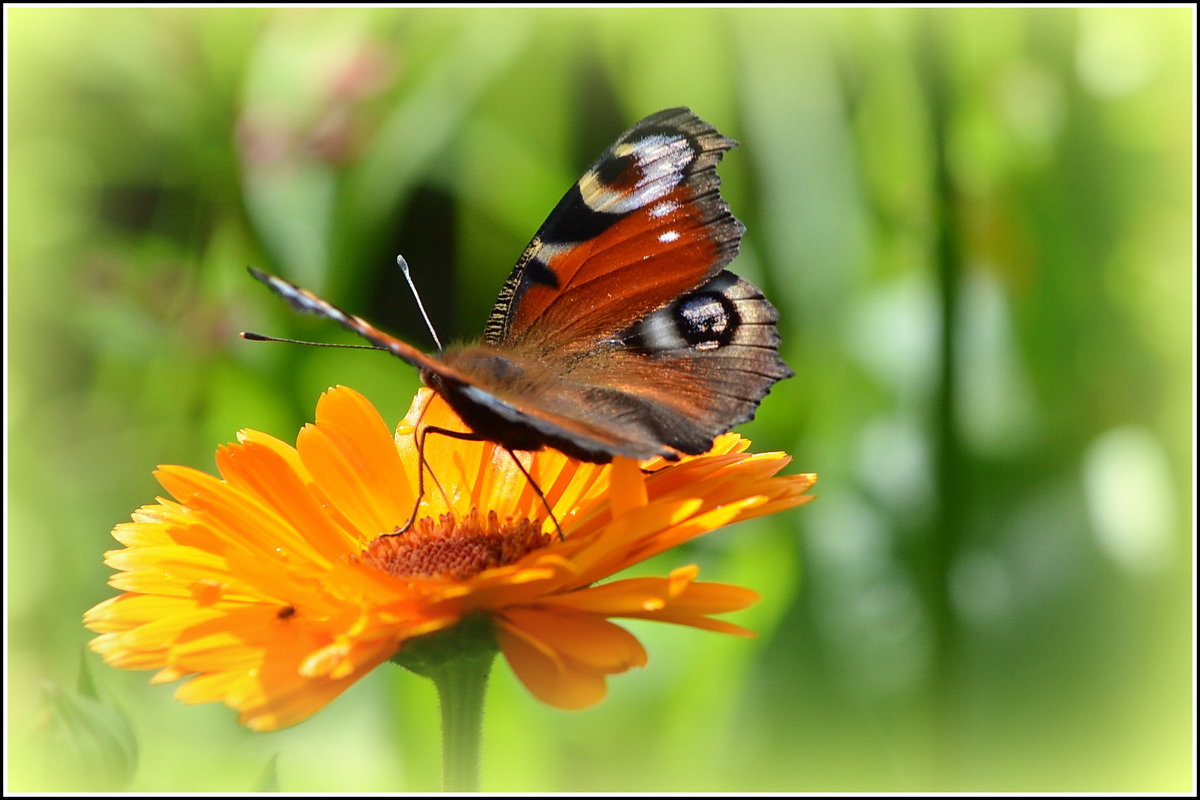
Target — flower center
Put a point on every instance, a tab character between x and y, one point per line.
449	547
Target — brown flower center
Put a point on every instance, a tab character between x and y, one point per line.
449	547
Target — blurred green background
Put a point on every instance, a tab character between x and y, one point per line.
976	224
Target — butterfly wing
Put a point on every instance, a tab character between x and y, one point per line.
618	332
645	223
693	368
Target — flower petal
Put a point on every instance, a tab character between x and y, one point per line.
581	640
350	453
544	672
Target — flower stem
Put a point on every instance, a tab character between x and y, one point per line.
461	686
458	661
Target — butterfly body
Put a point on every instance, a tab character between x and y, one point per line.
618	331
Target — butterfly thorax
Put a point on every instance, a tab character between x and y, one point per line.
487	364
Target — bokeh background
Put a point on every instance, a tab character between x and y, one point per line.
976	224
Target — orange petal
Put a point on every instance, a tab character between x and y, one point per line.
628	490
581	640
545	674
261	472
647	597
350	453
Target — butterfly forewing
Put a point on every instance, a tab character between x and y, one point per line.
644	223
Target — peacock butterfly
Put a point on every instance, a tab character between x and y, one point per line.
619	332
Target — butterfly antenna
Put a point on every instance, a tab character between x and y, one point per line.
260	337
400	262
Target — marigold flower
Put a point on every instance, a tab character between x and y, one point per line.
276	586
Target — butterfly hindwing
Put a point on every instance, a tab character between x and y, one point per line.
701	363
667	385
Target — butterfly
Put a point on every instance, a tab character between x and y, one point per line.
618	332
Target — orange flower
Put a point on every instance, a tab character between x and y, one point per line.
275	587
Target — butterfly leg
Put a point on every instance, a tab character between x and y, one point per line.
467	437
422	464
541	495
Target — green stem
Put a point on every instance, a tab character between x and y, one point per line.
461	686
458	661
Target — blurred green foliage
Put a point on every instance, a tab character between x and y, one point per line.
976	225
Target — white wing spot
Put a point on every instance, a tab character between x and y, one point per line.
663	209
662	159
